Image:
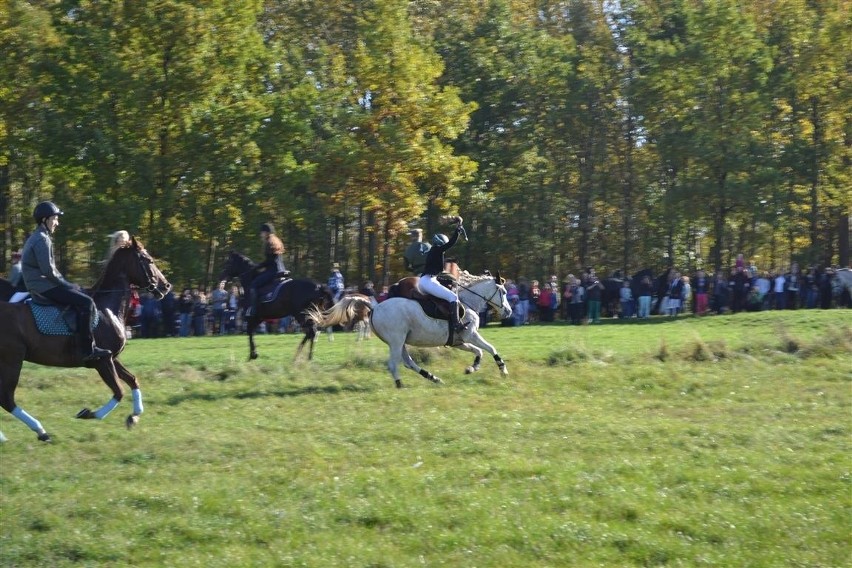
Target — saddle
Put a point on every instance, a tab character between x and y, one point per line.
55	319
270	292
433	307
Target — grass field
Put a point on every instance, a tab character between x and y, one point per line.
697	442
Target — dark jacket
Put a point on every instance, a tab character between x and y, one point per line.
435	258
37	265
272	260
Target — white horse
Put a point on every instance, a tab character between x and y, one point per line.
400	322
842	281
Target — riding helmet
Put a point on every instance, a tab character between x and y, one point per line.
267	227
440	240
44	210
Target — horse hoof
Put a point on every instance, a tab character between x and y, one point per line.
85	414
44	437
131	421
398	383
252	356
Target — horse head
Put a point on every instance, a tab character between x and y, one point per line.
492	289
235	265
134	262
505	307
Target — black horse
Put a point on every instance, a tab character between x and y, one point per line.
280	299
659	286
611	294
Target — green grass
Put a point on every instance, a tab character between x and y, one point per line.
698	442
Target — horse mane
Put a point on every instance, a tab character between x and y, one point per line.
465	278
243	258
107	267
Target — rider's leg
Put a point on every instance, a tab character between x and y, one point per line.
84	306
454	317
430	285
260	280
252	307
88	349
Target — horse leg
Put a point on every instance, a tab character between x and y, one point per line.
477	356
409	362
10	373
479	341
250	327
136	393
311	336
106	369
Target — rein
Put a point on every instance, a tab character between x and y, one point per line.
494	305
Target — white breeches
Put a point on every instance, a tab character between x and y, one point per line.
430	285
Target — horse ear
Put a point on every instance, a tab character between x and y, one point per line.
499	279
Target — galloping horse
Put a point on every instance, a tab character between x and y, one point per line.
20	339
843	286
289	298
399	322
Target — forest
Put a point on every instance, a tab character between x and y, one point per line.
615	134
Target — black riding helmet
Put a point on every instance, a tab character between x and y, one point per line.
44	210
267	227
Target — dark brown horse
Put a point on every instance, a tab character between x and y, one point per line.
288	298
20	339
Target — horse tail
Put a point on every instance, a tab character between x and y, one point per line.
342	313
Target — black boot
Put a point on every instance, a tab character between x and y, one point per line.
88	349
252	308
454	317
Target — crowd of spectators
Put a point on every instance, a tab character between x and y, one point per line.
579	300
576	300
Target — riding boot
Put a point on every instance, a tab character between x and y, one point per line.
454	315
88	349
252	309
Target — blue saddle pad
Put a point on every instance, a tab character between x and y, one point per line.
270	294
50	321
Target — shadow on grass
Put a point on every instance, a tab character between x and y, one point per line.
286	393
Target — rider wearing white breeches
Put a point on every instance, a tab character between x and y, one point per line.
428	282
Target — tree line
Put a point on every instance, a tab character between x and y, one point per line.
615	134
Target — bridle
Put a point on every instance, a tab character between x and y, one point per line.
146	268
490	300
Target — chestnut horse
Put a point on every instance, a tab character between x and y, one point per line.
20	339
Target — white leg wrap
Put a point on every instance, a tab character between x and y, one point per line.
31	422
137	401
102	412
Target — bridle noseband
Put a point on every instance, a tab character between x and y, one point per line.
489	300
148	271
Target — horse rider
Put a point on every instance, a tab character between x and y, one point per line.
415	254
271	267
41	277
428	282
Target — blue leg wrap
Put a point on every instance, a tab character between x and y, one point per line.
137	401
31	422
101	413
